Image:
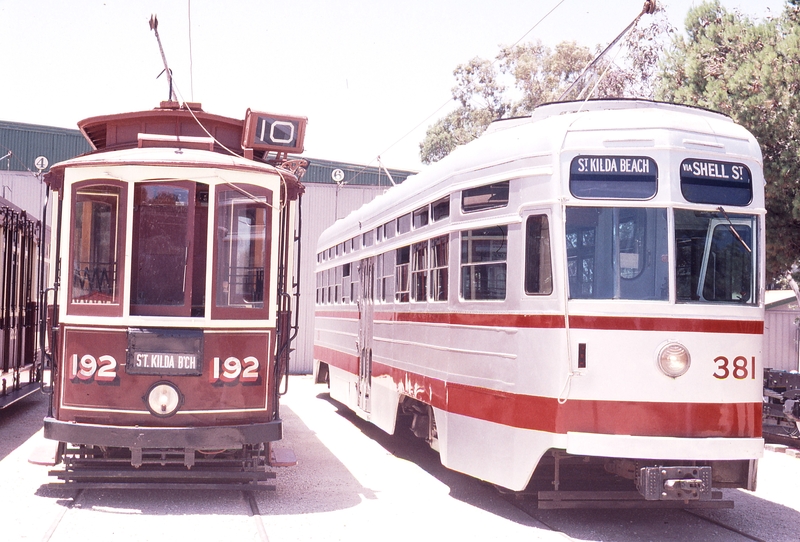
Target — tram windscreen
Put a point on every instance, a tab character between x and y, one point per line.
716	257
94	245
617	253
161	224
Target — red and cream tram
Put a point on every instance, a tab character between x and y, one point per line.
584	285
172	294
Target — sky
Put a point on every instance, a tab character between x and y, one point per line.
370	75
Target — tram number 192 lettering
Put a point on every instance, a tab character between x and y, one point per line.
232	369
740	368
102	369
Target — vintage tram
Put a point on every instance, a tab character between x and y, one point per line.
170	308
583	286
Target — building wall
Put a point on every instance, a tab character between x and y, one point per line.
781	336
322	205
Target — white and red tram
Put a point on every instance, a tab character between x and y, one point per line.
585	284
170	316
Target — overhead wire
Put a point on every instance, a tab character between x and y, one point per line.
449	100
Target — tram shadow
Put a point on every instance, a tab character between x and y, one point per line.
20	421
404	445
296	489
757	516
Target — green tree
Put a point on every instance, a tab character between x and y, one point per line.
751	72
524	76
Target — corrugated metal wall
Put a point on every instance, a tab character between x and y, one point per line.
28	141
322	205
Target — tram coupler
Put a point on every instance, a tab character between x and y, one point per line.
675	483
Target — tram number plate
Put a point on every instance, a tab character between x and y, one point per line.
164	363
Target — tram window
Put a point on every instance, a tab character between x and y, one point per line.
355	243
390	229
483	263
440	209
439	258
404	224
419	271
378	277
97	218
538	269
715	257
617	253
163	227
421	217
379	234
337	285
386	279
490	196
401	290
722	183
243	240
368	239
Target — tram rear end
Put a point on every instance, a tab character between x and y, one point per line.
171	320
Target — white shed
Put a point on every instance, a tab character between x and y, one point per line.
782	331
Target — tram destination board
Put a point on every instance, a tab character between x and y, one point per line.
627	177
165	352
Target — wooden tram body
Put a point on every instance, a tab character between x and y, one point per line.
581	286
171	321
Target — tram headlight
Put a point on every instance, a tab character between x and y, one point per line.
674	359
163	399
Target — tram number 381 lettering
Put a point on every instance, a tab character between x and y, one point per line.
232	368
740	368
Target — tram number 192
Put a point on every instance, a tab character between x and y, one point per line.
232	369
740	368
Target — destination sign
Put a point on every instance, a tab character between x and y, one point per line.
165	352
613	165
706	169
623	177
712	181
167	363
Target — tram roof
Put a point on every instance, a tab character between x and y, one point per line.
543	133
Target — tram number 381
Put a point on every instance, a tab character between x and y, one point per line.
740	368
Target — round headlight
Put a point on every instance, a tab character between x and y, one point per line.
674	359
163	399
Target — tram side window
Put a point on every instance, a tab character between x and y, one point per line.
386	286
421	217
490	196
617	253
243	242
483	263
440	209
419	271
538	268
716	257
337	288
401	290
439	261
97	218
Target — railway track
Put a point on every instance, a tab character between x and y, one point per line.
80	500
631	525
